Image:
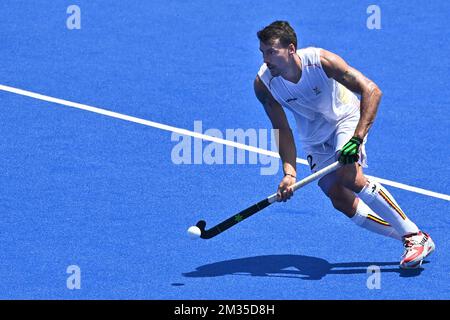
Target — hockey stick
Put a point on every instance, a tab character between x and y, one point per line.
244	214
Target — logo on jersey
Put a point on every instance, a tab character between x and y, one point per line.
291	99
317	91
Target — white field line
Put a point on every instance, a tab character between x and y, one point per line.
198	135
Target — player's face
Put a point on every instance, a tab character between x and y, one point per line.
275	57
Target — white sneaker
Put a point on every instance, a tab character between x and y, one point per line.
417	247
430	244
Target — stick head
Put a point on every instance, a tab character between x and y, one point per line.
201	225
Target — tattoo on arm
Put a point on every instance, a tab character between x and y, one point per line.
357	82
353	80
348	76
336	68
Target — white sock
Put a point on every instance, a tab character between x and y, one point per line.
382	202
367	219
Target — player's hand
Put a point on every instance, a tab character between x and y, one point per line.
350	151
285	190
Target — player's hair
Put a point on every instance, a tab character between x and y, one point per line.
280	30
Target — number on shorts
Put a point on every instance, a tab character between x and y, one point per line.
310	161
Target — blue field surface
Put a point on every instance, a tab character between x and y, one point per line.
104	194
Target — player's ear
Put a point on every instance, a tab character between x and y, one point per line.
291	48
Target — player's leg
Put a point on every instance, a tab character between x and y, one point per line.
418	244
376	197
341	197
344	200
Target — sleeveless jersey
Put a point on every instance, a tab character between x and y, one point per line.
319	103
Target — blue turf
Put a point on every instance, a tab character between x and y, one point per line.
81	188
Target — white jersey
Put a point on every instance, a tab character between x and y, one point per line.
318	103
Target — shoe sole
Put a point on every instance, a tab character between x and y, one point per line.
412	266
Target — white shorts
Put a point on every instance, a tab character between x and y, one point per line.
321	155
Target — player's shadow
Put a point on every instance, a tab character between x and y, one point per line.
293	266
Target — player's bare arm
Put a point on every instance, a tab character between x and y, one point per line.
335	67
286	144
